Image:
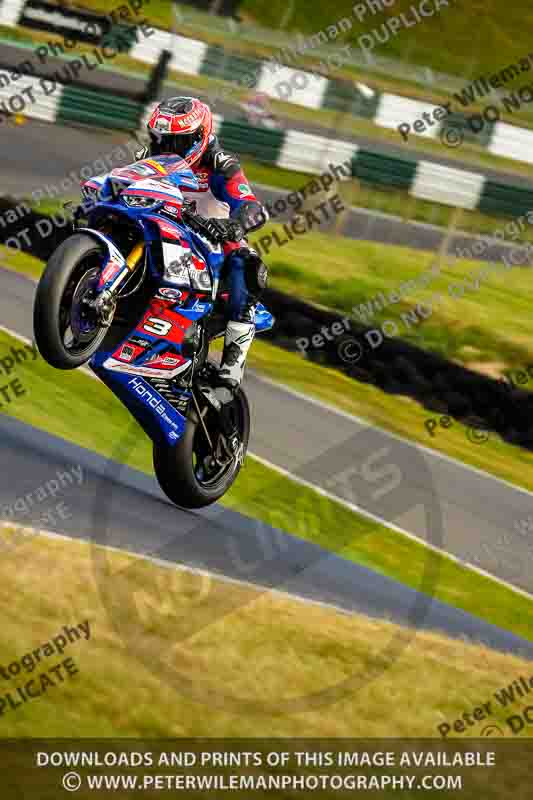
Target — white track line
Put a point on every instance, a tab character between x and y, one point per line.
350	506
366	424
175	565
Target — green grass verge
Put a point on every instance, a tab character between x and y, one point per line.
168	661
464	38
488	329
77	408
400	415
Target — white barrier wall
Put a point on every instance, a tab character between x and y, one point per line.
394	110
187	54
305	152
512	142
454	187
45	106
10	12
292	86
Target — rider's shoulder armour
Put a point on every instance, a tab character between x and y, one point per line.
220	161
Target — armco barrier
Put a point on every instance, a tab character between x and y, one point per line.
292	149
262	143
383	170
499	198
281	82
78	104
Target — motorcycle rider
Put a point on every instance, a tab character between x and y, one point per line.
183	126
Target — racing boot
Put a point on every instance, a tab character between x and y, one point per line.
237	342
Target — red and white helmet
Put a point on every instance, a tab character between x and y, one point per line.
181	125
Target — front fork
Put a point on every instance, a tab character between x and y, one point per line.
105	303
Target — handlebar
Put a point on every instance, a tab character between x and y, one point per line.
216	230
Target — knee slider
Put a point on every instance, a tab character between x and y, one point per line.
256	273
254	269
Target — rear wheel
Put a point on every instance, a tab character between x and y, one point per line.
203	464
67	330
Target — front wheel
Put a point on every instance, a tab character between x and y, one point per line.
67	331
202	466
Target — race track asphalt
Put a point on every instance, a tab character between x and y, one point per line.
109	504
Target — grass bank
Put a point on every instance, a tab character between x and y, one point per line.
485	325
163	661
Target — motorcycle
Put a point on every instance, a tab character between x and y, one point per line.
138	291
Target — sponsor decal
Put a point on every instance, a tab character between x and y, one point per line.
165	359
190	119
197	263
244	189
110	271
166	229
153	371
203	180
127	352
170	294
200	306
172	210
144	343
151	398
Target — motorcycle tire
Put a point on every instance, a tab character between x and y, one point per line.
175	467
62	271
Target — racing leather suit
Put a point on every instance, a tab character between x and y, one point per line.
223	193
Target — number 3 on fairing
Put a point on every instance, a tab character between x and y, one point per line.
159	327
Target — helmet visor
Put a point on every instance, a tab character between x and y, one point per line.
174	143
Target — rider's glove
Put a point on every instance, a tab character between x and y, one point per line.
217	230
223	230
